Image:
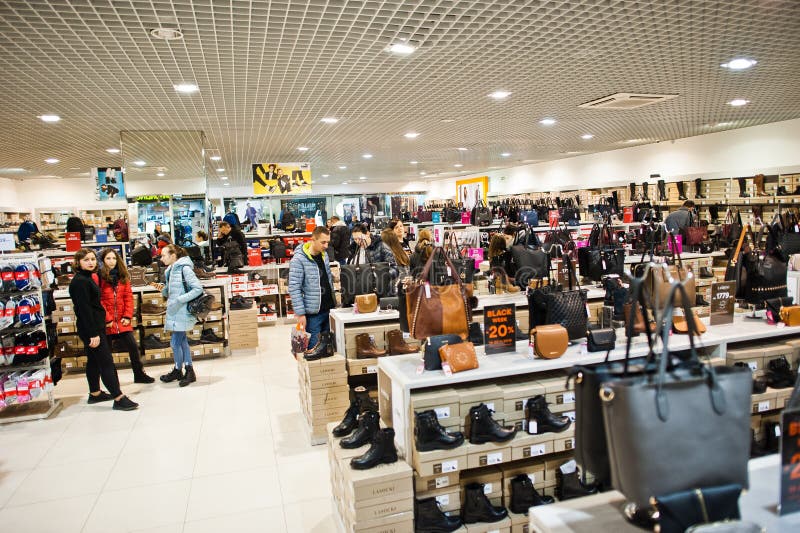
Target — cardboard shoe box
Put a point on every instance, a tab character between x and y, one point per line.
359	367
776	351
533	468
438	462
445	402
491	453
213	349
492	480
378	492
515	396
491	395
152	320
752	357
448	498
503	526
440	481
376	333
764	402
525	446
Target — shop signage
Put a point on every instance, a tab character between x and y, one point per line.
152	197
7	243
553	217
281	178
254	257
790	459
438	235
723	297
101	235
499	328
73	241
562	268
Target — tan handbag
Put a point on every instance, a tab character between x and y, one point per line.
681	326
790	315
459	357
638	323
550	341
660	284
367	303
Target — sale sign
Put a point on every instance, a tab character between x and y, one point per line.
73	240
499	328
553	217
723	298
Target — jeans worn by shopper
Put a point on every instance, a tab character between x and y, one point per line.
316	324
180	349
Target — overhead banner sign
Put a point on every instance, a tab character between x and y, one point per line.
281	178
110	183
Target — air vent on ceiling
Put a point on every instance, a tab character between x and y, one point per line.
627	101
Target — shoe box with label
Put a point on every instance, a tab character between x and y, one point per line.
324	394
243	328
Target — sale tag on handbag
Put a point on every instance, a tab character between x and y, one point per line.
723	298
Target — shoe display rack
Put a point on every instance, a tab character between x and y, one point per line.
26	383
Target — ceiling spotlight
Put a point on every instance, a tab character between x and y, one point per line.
413	162
112	150
345	183
160	174
49	118
220	170
226	183
740	63
738	102
500	95
326	175
330	120
367	156
303	148
587	136
458	165
362	177
722	124
139	163
401	49
168	34
51	160
215	157
223	178
422	173
447	120
632	141
547	121
462	149
505	154
411	135
342	167
186	88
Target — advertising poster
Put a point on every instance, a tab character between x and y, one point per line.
281	178
472	191
110	184
499	328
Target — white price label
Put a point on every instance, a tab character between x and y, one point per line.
420	368
406	335
569	444
446	368
494	458
450	466
753	365
777	430
569	397
490	405
442	412
763	406
444	499
372	369
571	415
537	449
442	482
487	488
533	427
532	477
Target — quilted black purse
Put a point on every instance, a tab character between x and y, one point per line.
568	307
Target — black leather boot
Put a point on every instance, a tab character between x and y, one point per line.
772	437
782	191
368	426
632	187
476	507
713	213
381	450
698	188
569	486
365	401
681	190
662	191
759	384
172	376
524	495
349	422
756	448
645	191
483	428
323	348
189	377
430	435
541	420
615	201
743	188
428	518
779	374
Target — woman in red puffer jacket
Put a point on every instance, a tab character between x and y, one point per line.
117	299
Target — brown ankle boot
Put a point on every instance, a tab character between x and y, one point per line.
758	180
365	347
398	345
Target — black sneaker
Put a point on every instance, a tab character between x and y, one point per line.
125	404
172	376
240	303
102	397
151	342
209	336
143	378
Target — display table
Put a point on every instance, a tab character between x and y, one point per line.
601	512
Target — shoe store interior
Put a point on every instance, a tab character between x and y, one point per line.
390	266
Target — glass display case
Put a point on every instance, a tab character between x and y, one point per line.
153	212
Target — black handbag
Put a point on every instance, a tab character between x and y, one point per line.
537	304
773	307
601	340
568	307
431	353
476	334
529	263
365	279
601	256
764	275
679	511
481	215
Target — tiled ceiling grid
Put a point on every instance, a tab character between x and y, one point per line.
269	71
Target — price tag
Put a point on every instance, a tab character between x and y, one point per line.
490	405
444	499
531	353
723	299
533	427
569	397
442	412
420	368
777	430
535	450
532	477
449	466
487	488
442	482
753	365
763	406
571	415
406	335
447	370
372	369
494	458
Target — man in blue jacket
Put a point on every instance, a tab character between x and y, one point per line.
311	285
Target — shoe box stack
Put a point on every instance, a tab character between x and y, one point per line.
324	393
65	321
151	309
376	500
243	328
715	190
365	343
790	181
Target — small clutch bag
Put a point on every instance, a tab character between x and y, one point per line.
433	360
773	307
550	341
367	303
681	510
459	357
680	326
601	340
791	315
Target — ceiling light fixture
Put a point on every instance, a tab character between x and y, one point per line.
587	136
413	162
139	163
458	165
326	175
215	157
186	88
51	160
547	121
330	120
411	135
367	156
345	183
362	177
160	174
12	169
505	154
223	178
401	49
462	149
740	63
447	120
49	118
738	102
167	34
303	148
112	150
220	170
500	95
422	173
342	167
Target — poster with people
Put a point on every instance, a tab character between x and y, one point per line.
110	183
472	191
281	178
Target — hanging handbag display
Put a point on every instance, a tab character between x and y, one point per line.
436	309
601	257
762	273
432	359
655	424
529	263
695	234
549	341
459	357
678	512
731	228
568	307
601	340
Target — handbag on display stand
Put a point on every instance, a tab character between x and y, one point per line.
568	307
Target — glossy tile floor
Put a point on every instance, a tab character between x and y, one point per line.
228	453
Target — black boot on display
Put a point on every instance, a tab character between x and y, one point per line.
189	377
646	191
759	384
796	191
429	518
484	428
698	189
541	420
368	426
632	187
781	192
524	495
705	272
743	188
175	374
756	448
779	374
365	401
476	506
681	190
772	437
699	300
569	486
662	191
615	201
381	450
322	349
349	422
430	435
713	213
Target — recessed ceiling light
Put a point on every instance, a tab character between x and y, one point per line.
226	184
186	88
738	102
168	34
139	163
447	120
362	177
500	95
223	178
547	121
462	149
740	63
411	135
632	141
400	49
587	136
303	148
505	154
215	157
414	162
326	175
722	124
160	174
330	120
49	118
220	170
342	167
112	150
422	173
345	183
458	165
367	156
51	160
12	169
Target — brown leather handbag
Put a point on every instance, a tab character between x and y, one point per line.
790	315
367	303
459	357
638	321
550	341
681	326
659	284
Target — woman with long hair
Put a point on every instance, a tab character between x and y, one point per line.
391	251
422	251
117	299
84	290
501	261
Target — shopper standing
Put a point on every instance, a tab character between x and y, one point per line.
229	239
311	284
422	251
340	239
680	219
391	251
117	299
85	294
396	225
181	288
363	247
